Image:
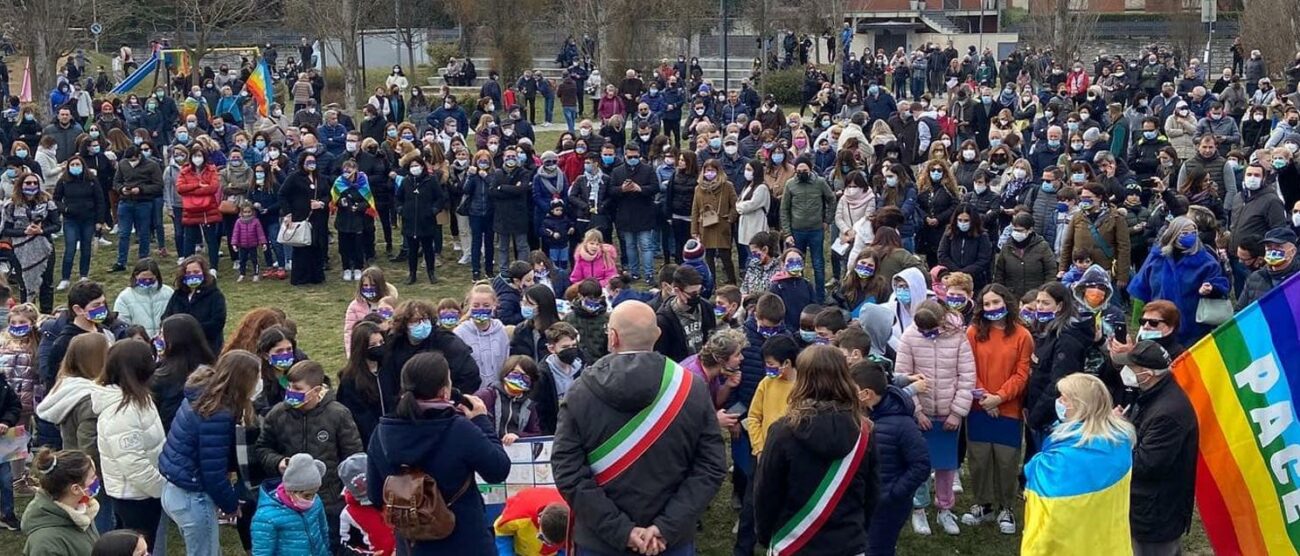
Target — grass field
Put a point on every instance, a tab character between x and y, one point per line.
319	311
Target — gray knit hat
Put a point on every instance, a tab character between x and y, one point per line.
303	473
352	472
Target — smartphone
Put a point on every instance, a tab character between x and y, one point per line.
459	399
738	409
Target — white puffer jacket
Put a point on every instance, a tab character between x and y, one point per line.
130	440
146	309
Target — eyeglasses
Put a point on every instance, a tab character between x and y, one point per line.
1151	322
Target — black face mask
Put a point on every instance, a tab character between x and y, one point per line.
375	353
805	176
568	355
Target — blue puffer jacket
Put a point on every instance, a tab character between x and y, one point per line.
902	454
451	449
197	455
279	530
508	298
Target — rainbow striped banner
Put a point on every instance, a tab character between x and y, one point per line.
1243	380
258	87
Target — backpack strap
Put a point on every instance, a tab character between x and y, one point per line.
463	489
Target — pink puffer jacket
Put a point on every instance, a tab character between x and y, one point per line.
947	363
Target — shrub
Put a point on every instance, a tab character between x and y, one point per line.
439	52
786	85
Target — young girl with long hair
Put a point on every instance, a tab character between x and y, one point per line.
359	379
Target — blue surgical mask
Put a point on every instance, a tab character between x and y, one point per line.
183	137
282	361
1062	207
1149	335
807	336
1054	143
420	330
1149	135
75	170
607	159
903	295
11	173
1187	240
1049	187
1060	410
778	158
259	144
632	162
715	143
936	175
528	311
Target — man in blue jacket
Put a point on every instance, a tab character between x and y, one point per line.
449	109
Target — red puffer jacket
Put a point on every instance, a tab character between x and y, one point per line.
199	191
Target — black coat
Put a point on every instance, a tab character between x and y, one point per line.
296	195
972	255
795	459
464	371
208	306
672	337
421	198
79	198
1055	356
509	191
630	206
1164	463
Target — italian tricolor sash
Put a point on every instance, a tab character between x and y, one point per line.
792	536
616	454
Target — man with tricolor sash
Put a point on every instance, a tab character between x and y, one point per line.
638	452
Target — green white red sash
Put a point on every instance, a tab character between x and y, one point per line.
792	536
616	454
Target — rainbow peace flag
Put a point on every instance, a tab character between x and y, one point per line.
1243	380
258	87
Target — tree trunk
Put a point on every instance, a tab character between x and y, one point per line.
410	55
45	66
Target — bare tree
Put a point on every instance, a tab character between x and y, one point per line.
338	24
1064	26
467	15
198	23
1187	35
48	30
1273	28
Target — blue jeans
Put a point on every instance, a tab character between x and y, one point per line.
6	489
209	235
158	224
276	253
810	243
78	238
549	107
196	516
480	245
570	116
559	256
503	249
105	520
640	248
138	216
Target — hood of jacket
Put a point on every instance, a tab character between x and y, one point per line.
1095	276
45	513
877	321
105	398
409	442
894	403
59	403
829	432
915	284
627	382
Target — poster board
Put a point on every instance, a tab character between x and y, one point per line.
530	466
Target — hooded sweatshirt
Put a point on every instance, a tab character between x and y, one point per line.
69	406
132	439
903	312
792	468
670	486
55	529
490	347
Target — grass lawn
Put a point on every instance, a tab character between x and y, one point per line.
319	314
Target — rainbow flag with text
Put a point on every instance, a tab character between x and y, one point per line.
1243	380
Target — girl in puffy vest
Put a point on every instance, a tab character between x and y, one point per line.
18	359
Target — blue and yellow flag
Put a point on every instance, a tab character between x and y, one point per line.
1077	498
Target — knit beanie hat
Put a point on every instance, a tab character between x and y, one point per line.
352	472
303	473
693	249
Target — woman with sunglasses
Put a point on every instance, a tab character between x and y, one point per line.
28	220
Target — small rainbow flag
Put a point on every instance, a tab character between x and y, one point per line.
1243	381
258	87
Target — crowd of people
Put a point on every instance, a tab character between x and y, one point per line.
1016	257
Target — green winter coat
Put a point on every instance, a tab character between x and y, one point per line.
52	531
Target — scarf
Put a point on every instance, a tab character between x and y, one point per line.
711	187
241	458
1012	189
863	198
32	252
362	185
551	182
83	516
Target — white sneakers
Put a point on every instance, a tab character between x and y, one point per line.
948	521
63	285
978	514
464	260
105	243
920	523
1006	522
956	483
347	275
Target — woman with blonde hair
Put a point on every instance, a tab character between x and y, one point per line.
482	332
1058	498
937	198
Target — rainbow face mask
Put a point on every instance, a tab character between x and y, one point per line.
517	383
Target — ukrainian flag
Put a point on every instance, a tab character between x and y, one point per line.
1077	498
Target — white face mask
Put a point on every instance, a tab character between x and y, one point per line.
1019	173
968	154
1019	236
417	170
1252	182
729	149
749	176
1295	219
1128	377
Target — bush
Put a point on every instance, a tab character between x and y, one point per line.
440	52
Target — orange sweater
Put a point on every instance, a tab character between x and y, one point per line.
1002	366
